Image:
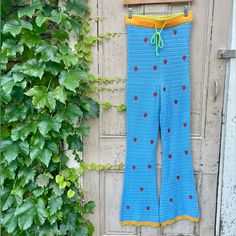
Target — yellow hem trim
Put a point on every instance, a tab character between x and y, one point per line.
165	21
162	224
136	223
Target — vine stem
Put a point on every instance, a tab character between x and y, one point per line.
49	84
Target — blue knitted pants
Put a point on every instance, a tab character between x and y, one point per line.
158	98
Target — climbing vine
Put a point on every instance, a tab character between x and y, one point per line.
45	103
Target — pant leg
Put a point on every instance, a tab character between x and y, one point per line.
178	197
140	198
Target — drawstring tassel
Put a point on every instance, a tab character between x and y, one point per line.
157	39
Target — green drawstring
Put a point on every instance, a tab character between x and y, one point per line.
157	39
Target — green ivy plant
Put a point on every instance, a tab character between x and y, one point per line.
45	101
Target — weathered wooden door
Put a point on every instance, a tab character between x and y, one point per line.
107	137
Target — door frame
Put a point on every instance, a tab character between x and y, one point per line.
226	199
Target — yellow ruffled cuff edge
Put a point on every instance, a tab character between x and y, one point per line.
162	224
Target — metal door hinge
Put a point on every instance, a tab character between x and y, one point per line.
226	54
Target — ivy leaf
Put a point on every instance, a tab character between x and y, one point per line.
33	68
83	231
26	175
53	67
11	153
89	207
106	105
72	113
48	52
94	109
56	190
75	142
30	39
50	123
60	34
25	206
22	131
82	130
11	149
40	20
30	210
71	79
9	221
40	211
69	59
70	193
78	7
15	112
29	10
6	174
18	76
55	17
121	107
35	152
42	180
5	198
60	94
53	147
54	204
7	84
23	147
41	98
26	25
26	220
13	27
12	48
38	140
44	155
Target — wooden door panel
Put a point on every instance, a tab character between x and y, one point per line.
107	144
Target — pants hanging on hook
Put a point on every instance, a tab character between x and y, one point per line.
158	95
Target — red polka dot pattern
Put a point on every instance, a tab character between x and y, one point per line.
155	68
155	94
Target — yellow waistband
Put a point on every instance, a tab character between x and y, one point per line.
159	22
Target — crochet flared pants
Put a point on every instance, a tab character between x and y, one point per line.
158	98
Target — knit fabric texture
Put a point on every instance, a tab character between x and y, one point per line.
158	99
